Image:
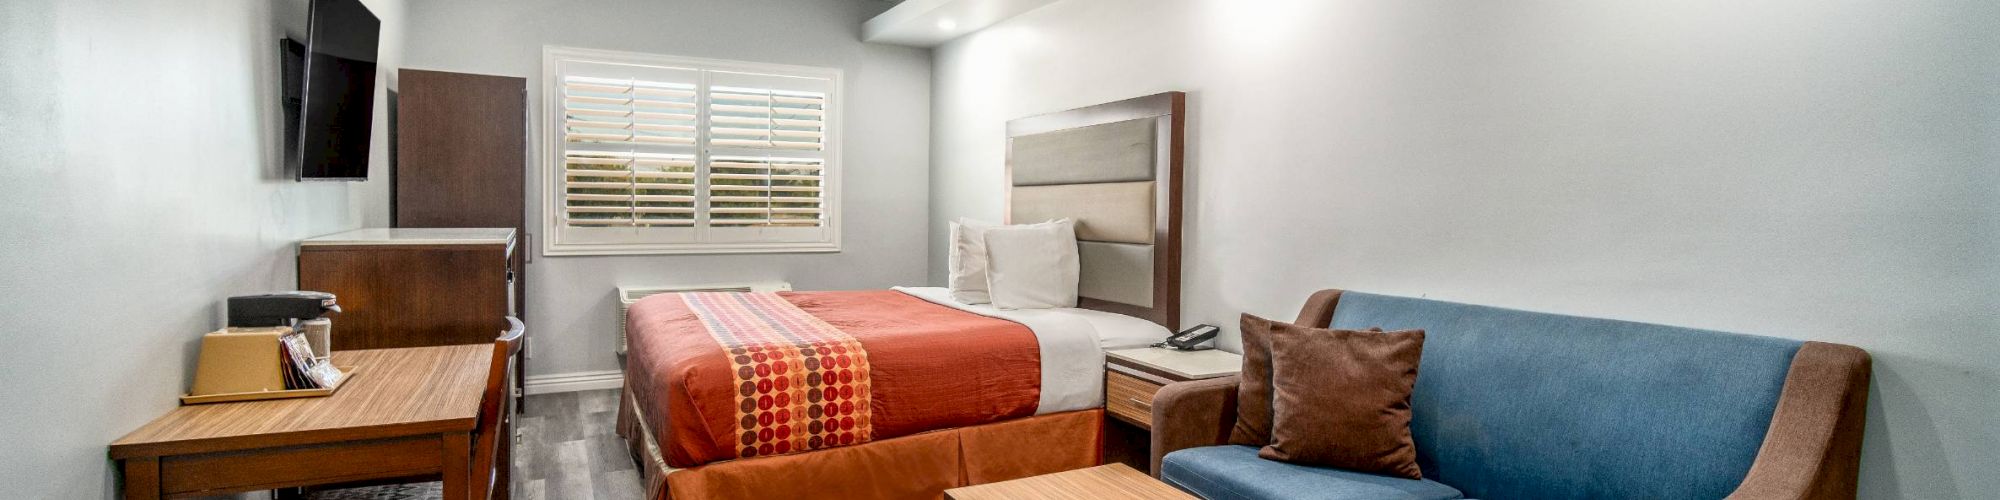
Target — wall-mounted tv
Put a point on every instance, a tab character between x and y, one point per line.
329	64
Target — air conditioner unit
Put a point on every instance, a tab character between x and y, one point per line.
630	294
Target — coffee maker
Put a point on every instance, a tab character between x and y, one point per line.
302	310
279	309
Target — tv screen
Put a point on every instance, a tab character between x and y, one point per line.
335	89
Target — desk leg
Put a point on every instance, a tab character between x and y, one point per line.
457	466
142	478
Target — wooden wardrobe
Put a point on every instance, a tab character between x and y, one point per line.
462	157
462	160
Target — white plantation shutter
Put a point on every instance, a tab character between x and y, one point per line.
628	189
764	191
766	139
667	155
765	118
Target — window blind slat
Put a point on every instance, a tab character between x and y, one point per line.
760	166
765	177
627	185
630	174
765	110
767	98
763	121
765	188
629	198
766	132
751	143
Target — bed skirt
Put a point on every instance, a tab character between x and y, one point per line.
908	467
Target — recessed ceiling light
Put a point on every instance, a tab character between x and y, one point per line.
947	25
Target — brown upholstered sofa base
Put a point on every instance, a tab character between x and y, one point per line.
918	466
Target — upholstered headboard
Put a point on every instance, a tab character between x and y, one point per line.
1116	169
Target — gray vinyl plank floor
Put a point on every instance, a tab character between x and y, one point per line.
567	451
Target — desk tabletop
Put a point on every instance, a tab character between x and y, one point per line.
1103	482
394	393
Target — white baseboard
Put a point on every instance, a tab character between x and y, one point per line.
574	381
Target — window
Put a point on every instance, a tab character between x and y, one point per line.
657	154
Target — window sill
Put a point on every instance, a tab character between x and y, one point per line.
580	250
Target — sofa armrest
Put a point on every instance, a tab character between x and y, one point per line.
1318	311
1191	414
1813	448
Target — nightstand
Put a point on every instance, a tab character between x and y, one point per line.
1132	376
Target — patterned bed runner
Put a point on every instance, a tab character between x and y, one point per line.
801	383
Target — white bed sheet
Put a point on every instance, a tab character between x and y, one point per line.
1072	343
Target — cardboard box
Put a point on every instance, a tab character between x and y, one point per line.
238	360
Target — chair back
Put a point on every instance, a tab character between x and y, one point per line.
493	438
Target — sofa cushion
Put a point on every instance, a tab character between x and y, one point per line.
1516	404
1234	472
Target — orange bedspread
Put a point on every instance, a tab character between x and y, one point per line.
930	367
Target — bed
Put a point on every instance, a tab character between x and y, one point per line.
904	393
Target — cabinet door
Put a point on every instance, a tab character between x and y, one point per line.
460	150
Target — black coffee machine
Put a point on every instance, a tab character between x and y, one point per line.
279	309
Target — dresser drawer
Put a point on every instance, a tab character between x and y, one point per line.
1129	398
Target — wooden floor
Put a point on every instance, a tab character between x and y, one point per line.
568	450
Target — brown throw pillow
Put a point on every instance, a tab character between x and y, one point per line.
1253	389
1341	398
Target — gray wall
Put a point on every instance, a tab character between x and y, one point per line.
570	299
141	185
1796	168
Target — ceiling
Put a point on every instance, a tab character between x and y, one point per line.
929	23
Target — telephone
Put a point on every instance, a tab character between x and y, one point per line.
1191	338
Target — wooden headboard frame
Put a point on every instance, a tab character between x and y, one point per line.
1166	114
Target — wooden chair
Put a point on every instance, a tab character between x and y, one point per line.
493	438
493	442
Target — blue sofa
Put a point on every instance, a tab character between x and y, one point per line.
1515	404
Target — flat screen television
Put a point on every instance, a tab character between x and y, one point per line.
329	93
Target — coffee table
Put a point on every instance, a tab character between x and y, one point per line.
1114	481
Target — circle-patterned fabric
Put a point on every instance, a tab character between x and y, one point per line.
801	384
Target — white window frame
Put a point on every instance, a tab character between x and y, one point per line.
552	162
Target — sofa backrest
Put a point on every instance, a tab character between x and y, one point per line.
1517	404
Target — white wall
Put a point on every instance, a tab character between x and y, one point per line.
141	183
1796	168
570	299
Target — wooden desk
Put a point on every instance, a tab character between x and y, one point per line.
1104	482
408	412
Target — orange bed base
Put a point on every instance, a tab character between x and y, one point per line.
919	466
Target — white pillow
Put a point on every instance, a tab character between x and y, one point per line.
1032	266
967	261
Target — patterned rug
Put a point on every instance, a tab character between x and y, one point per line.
417	491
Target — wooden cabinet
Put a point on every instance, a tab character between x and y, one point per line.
413	287
461	154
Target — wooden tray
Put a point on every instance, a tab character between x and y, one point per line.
348	376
